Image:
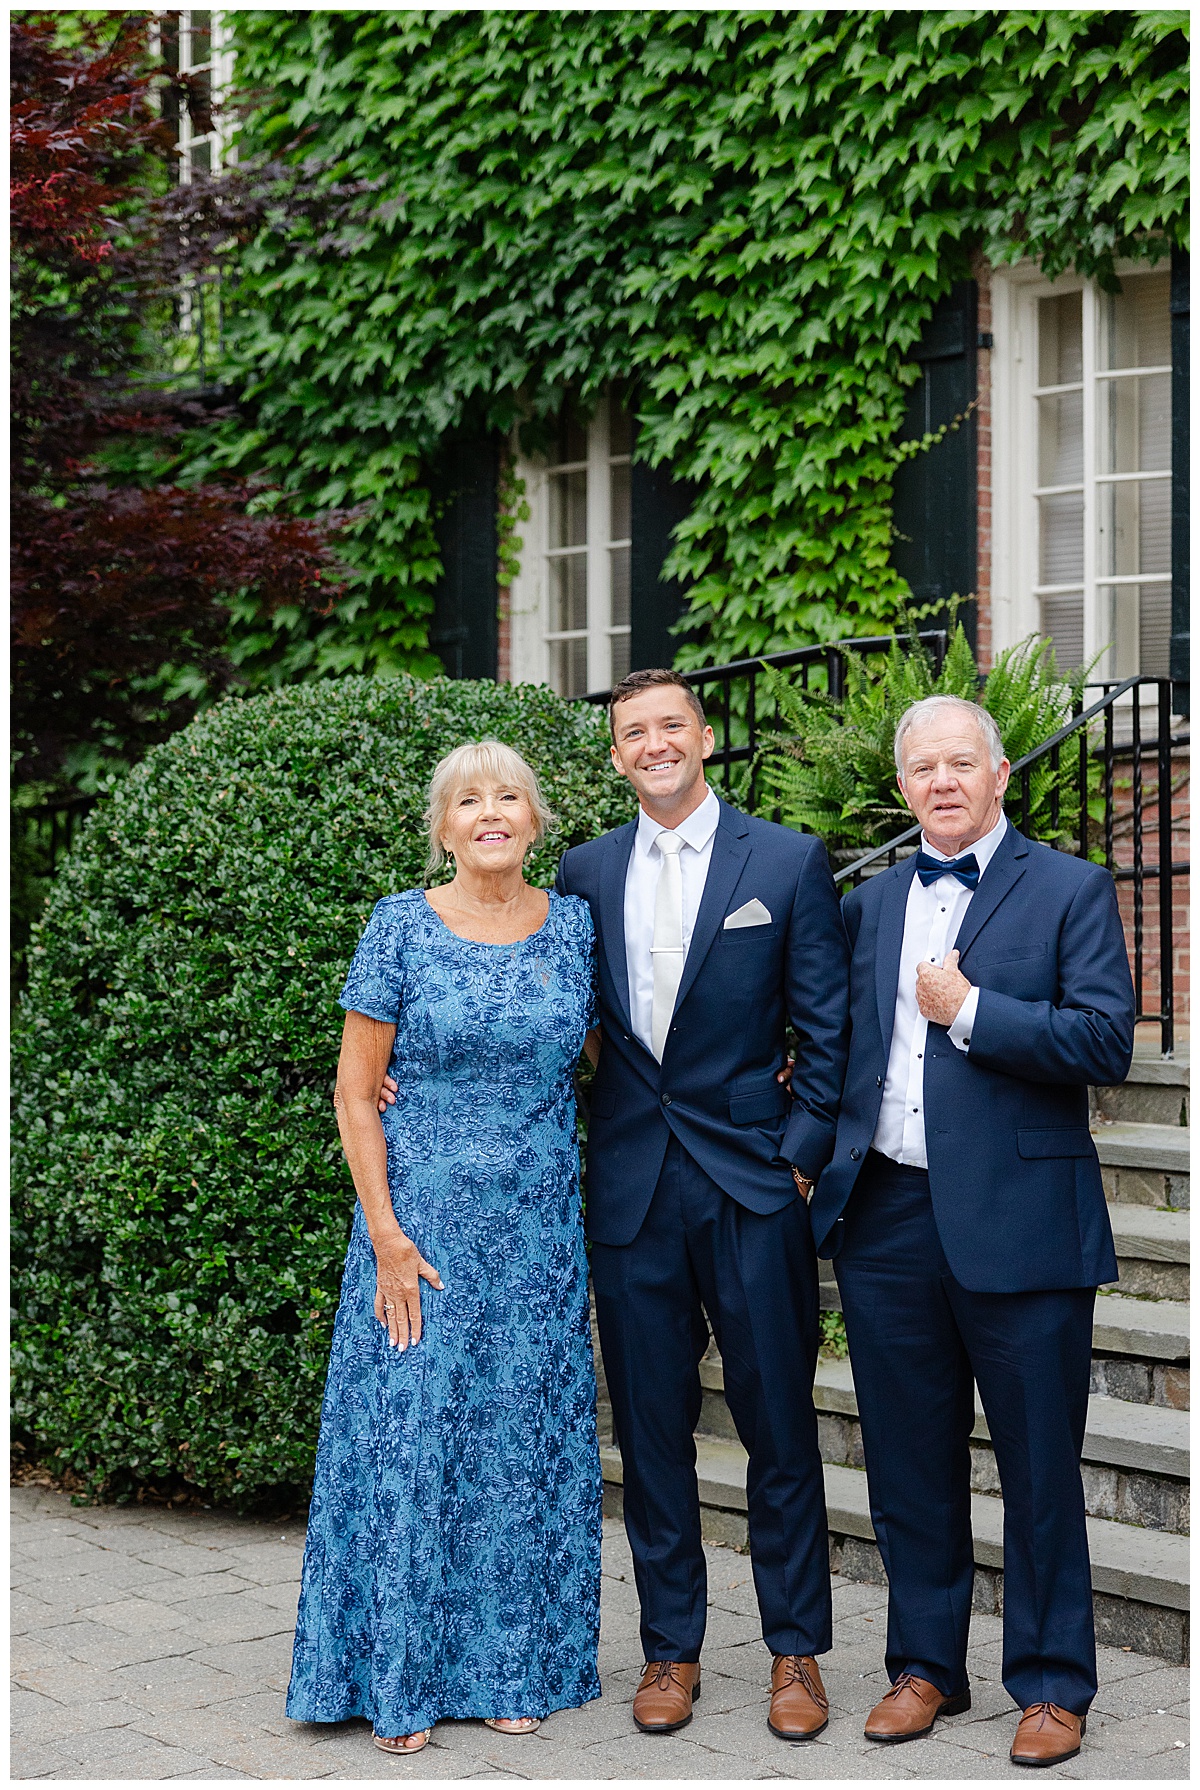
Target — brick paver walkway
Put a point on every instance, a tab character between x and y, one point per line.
154	1644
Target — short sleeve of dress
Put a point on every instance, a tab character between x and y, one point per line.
373	984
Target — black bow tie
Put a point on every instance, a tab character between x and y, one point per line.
966	868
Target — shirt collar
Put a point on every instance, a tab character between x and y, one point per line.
695	831
984	849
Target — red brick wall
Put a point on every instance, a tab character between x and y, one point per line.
1123	853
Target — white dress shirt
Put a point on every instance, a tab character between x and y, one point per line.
932	918
641	887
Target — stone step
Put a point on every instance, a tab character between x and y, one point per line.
1155	1092
1162	1147
1140	1438
1147	1329
1148	1566
1150	1329
1145	1234
1154	1251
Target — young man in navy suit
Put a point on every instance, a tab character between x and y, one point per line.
714	931
964	1211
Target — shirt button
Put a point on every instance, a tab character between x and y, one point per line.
916	1109
919	1055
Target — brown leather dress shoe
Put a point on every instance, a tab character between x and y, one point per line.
910	1709
663	1700
799	1707
1046	1735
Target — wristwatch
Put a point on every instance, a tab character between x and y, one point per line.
804	1186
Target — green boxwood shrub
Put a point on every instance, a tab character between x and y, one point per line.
182	1206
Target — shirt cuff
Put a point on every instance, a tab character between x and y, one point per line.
964	1021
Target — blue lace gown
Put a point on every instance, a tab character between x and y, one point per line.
452	1566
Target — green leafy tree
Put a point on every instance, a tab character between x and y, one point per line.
181	1204
832	770
748	216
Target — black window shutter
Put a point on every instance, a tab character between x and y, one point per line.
1181	635
658	502
934	510
463	632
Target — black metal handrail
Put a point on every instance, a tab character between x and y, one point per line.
738	712
1105	754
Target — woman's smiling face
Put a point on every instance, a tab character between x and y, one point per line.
489	827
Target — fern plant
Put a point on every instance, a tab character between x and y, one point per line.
830	770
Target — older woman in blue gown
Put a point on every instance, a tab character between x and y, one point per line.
452	1567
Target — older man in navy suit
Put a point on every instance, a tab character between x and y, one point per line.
964	1211
714	931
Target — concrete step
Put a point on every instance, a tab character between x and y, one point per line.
1141	1438
1145	1565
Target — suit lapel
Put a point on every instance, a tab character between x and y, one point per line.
730	849
1002	874
612	910
889	942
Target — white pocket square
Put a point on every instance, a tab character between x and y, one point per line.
753	914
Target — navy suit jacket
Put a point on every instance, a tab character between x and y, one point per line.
716	1088
1013	1173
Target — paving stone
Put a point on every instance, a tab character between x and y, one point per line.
161	1686
267	1563
25	1761
1141	1734
1148	1690
97	1645
54	1725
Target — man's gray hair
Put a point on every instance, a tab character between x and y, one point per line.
929	706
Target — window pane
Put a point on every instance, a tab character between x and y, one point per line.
1061	559
1060	339
1154	630
620	657
1135	326
200	46
1062	619
568	593
620	428
1135	527
620	524
572	438
568	509
200	155
568	667
1060	440
619	568
1134	424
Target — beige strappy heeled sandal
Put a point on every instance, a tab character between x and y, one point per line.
522	1724
397	1743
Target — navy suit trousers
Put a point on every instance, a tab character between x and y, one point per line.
917	1340
755	1275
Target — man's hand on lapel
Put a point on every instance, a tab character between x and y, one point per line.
941	991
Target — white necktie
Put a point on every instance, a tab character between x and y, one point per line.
667	949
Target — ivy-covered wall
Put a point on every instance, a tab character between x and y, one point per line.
747	216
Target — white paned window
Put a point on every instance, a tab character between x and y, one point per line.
198	44
570	601
1082	480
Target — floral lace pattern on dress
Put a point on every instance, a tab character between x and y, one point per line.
452	1565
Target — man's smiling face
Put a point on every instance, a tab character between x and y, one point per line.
660	744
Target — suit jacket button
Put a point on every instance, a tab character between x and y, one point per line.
854	1155
666	1100
625	1035
879	1081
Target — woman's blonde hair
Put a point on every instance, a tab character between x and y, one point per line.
476	760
